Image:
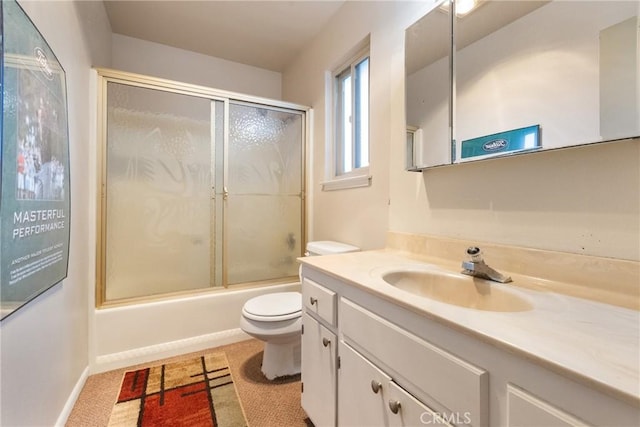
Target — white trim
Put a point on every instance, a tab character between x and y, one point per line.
73	397
150	82
336	141
150	353
329	158
344	183
358	177
362	53
309	171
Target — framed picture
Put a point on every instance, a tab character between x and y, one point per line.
34	198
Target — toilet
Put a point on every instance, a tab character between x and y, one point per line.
276	319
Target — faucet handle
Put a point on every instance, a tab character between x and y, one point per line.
475	254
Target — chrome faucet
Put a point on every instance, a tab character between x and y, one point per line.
476	267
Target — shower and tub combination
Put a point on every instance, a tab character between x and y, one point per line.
199	190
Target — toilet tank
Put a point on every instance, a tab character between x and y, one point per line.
327	247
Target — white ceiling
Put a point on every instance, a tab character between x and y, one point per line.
267	34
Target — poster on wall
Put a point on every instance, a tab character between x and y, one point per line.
34	198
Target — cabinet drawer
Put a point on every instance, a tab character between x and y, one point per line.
526	410
319	300
422	368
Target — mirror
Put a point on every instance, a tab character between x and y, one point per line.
529	75
428	91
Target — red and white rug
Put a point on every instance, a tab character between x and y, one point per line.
196	392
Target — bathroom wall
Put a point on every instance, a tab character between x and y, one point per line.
359	216
44	345
153	59
584	200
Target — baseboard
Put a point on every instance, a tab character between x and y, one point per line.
136	356
71	401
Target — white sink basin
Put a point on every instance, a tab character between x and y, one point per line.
457	289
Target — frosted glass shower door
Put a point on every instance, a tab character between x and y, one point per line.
159	209
199	191
264	204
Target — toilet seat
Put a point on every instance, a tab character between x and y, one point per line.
274	307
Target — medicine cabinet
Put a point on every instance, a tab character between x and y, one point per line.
516	77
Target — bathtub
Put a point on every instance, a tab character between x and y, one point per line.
138	333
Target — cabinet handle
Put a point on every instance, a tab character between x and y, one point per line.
326	342
376	386
313	300
394	405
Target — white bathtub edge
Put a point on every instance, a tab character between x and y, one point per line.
150	353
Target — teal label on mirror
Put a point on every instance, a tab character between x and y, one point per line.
515	140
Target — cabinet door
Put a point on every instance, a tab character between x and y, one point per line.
526	410
406	410
362	391
318	372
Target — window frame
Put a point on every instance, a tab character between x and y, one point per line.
357	176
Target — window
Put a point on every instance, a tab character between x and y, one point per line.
351	124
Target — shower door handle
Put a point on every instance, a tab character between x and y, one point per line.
225	193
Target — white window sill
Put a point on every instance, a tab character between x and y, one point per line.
344	183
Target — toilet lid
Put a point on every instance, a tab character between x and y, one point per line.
274	307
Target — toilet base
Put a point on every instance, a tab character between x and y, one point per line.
281	360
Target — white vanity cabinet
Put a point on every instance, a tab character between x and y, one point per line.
372	374
396	365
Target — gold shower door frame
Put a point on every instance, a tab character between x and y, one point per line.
219	192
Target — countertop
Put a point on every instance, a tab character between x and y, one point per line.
593	342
